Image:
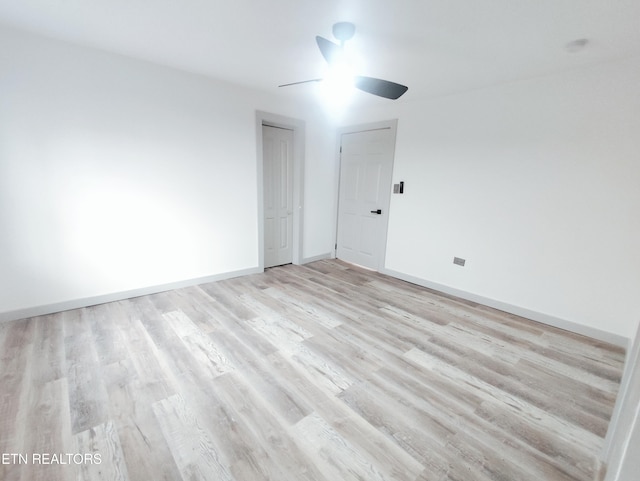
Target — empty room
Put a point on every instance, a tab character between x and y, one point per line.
319	240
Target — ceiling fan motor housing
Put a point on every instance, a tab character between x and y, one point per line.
344	31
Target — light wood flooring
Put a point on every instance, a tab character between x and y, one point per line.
317	372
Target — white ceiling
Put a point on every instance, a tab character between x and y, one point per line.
435	47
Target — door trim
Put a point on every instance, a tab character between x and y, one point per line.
298	127
352	129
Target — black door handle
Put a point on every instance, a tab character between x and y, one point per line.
379	211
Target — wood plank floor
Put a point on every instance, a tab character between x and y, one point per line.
317	372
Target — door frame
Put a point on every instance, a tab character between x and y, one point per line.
352	129
298	127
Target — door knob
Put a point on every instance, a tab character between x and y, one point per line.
379	211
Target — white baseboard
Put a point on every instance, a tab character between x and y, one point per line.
553	321
320	257
517	310
118	296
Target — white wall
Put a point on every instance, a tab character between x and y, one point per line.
321	189
535	184
116	174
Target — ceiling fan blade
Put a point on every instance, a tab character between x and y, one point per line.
301	82
329	50
381	88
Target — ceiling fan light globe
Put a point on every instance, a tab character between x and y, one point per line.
337	87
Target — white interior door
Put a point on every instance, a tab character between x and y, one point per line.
366	165
277	144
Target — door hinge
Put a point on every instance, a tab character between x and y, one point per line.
341	149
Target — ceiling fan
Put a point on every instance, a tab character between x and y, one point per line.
334	54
